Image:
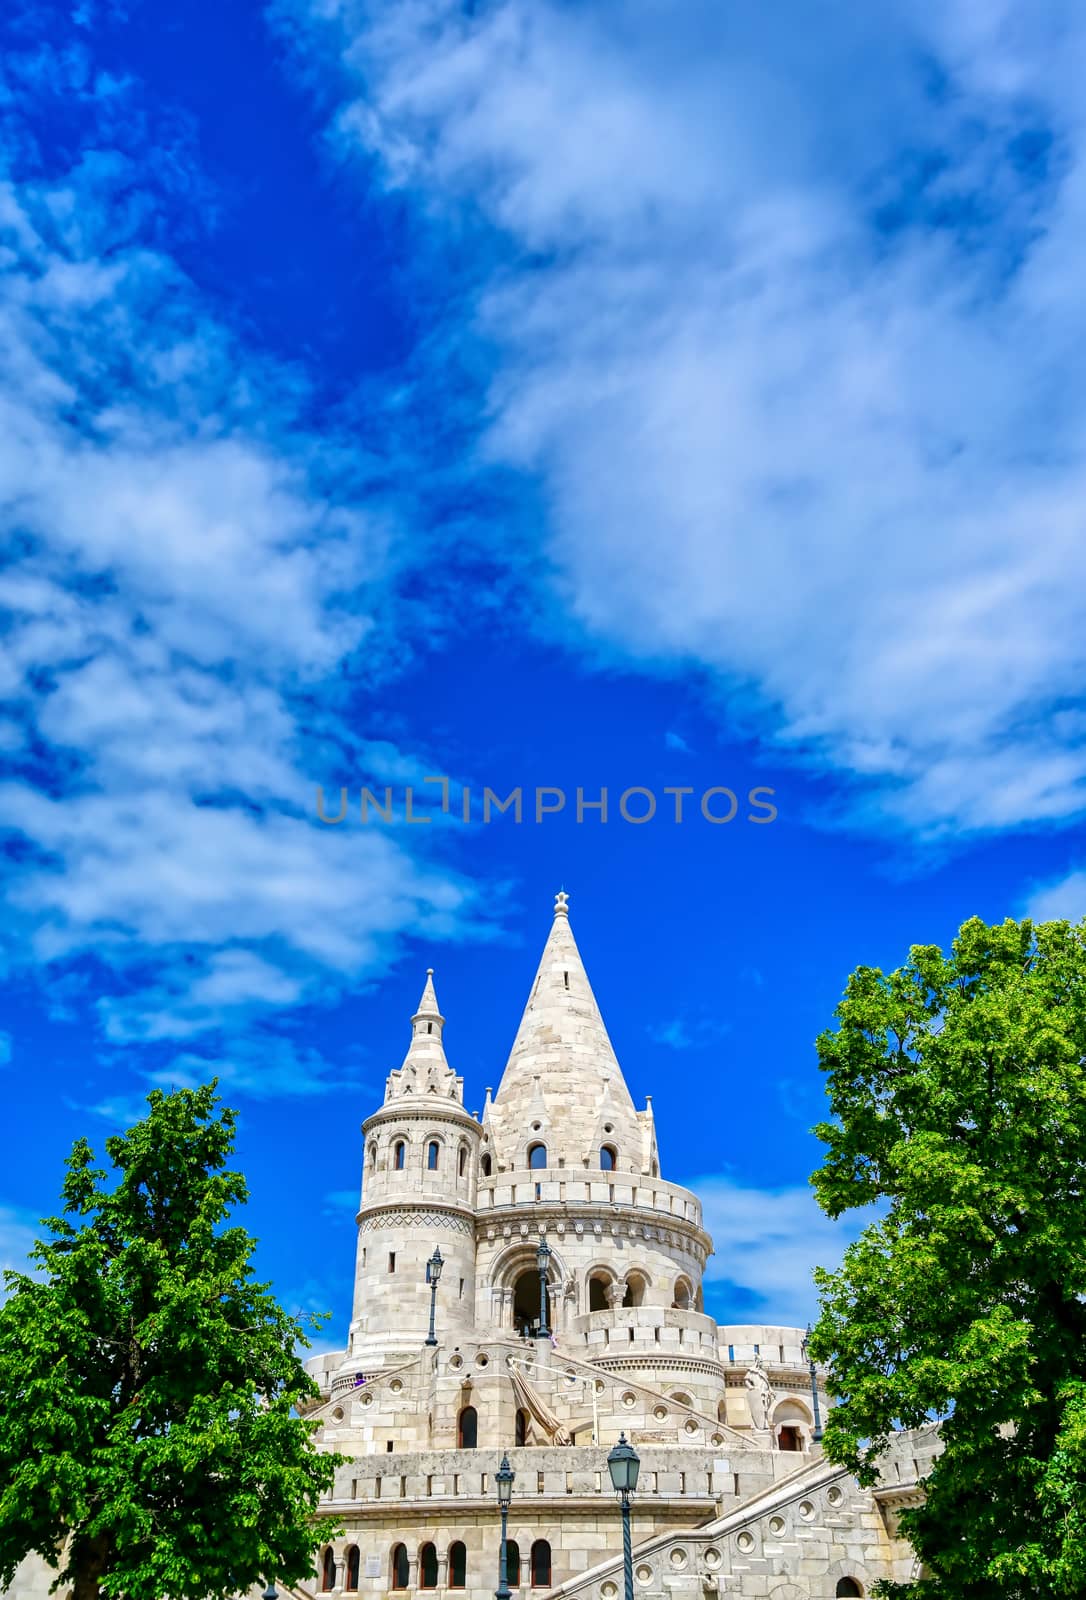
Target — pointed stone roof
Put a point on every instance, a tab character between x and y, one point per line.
425	1069
562	1072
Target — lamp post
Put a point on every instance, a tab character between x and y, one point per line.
271	1592
805	1349
543	1256
504	1480
433	1278
623	1464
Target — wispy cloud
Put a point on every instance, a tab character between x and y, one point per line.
768	1243
18	1231
191	566
688	1033
1062	900
675	741
782	326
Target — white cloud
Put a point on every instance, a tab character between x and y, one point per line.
191	568
18	1232
769	1241
1061	901
5	1049
688	1033
783	324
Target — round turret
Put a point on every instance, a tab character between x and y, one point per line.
420	1165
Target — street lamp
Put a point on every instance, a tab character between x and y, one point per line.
433	1278
623	1464
543	1256
504	1480
805	1350
271	1592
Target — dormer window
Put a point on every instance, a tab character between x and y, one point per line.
537	1155
608	1158
486	1165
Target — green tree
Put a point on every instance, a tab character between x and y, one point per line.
148	1442
958	1088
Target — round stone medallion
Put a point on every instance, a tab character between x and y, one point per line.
678	1558
629	1399
745	1541
834	1496
660	1412
806	1510
643	1573
713	1558
776	1526
608	1590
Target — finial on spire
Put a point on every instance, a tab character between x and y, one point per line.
428	1007
561	904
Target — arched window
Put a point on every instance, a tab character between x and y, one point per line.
655	1169
399	1155
635	1290
352	1567
401	1567
432	1151
537	1155
597	1294
512	1563
608	1157
328	1571
520	1432
458	1565
467	1429
373	1155
462	1160
485	1164
541	1564
428	1567
682	1295
847	1586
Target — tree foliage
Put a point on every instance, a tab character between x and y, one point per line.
148	1441
958	1088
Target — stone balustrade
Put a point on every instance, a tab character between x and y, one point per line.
560	1186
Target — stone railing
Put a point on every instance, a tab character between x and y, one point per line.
557	1185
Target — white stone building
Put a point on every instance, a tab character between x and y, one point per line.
734	1498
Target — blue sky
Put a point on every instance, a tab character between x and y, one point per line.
544	395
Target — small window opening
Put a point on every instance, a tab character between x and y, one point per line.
392	1260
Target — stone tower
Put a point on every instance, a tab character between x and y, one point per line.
418	1190
735	1497
562	1094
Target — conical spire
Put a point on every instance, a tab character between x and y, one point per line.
562	1082
425	1069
